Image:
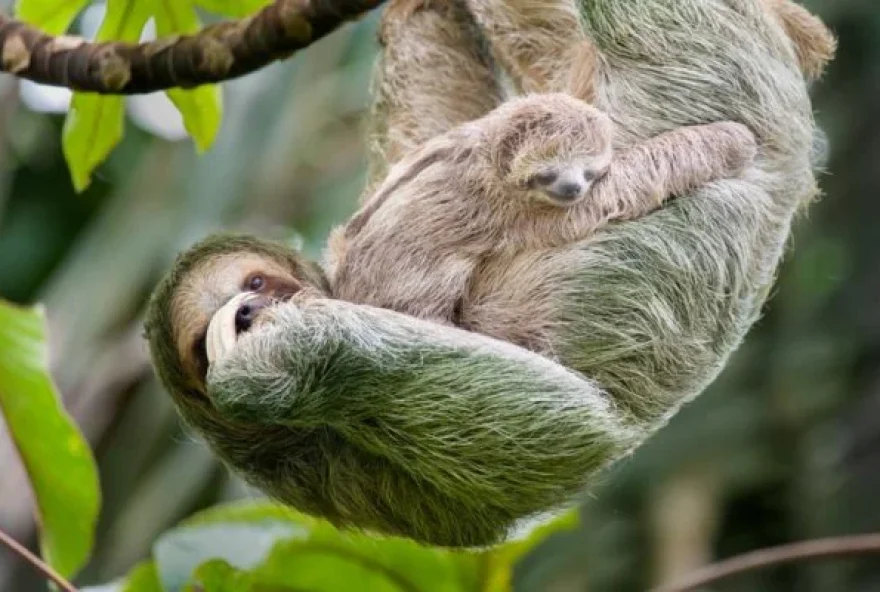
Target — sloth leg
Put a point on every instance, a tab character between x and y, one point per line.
434	73
542	45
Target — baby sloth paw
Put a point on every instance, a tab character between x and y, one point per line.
740	145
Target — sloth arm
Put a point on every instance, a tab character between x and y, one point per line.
377	376
671	164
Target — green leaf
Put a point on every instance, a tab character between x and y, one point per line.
250	511
312	555
201	107
331	560
143	578
202	111
219	576
95	124
52	16
233	8
323	568
262	546
55	455
500	561
242	545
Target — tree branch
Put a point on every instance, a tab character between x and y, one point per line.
818	549
216	53
38	564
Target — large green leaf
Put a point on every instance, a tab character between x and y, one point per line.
251	550
240	544
95	123
327	568
500	561
264	547
52	16
200	107
219	576
330	560
250	511
57	459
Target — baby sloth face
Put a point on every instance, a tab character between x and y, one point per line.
566	183
553	147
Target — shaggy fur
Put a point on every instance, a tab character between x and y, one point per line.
412	102
379	420
480	197
543	44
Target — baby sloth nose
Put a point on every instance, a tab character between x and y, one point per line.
563	186
247	312
566	190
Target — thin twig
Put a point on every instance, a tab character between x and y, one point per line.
38	563
819	549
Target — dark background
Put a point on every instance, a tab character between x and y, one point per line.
784	447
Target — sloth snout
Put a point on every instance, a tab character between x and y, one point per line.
563	186
247	313
566	190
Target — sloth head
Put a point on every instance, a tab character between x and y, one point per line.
551	146
241	274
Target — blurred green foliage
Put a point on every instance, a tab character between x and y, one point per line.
785	446
59	464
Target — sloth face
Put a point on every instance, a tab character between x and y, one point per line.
222	298
566	184
552	146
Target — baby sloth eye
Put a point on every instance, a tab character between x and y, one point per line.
545	178
589	175
255	283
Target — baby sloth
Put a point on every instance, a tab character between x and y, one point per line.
538	172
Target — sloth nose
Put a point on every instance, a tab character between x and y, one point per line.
247	312
566	190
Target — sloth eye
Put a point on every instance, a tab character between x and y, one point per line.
589	175
544	177
256	282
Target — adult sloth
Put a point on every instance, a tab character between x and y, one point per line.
377	420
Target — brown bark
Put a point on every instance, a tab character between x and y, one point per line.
216	53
